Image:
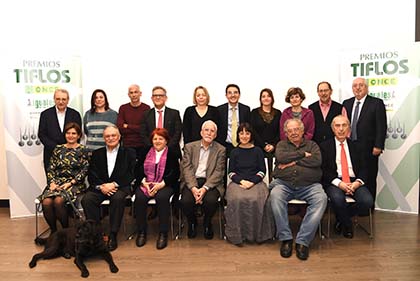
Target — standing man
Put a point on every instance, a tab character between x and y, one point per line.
52	122
111	173
324	111
202	172
297	175
130	118
231	114
368	127
344	173
162	117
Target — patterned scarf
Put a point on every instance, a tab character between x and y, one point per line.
154	172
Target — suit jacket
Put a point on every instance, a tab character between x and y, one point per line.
171	122
171	173
329	165
215	170
49	131
244	116
371	125
323	129
123	173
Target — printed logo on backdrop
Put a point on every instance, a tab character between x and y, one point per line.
393	75
29	83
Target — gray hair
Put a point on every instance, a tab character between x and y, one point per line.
301	126
209	122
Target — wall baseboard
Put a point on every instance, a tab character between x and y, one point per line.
4	203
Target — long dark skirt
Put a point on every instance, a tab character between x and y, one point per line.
248	214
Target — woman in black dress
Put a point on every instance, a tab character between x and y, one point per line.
196	115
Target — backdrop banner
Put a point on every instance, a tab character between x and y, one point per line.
27	88
393	74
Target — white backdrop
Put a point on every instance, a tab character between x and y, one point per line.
185	43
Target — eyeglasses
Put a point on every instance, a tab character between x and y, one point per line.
158	96
294	130
324	91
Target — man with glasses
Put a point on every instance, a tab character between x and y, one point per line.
297	175
130	118
324	111
231	114
161	116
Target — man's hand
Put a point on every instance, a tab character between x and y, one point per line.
284	166
376	151
108	188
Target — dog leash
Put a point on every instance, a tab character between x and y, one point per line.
76	211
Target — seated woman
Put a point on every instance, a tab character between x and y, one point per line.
247	216
68	168
158	173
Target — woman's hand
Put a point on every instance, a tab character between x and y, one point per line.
53	186
246	184
156	186
65	186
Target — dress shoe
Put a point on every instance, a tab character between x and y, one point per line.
192	230
302	252
208	232
112	242
286	248
338	227
141	239
162	241
348	232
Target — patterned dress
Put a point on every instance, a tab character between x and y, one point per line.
67	164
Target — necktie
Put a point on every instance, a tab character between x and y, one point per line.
354	122
234	127
160	121
344	165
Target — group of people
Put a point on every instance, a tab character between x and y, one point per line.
329	150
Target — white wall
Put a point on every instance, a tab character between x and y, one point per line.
182	44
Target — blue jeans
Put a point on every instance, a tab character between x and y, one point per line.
314	195
344	211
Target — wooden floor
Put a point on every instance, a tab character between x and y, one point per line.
393	254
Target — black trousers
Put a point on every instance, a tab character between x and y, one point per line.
209	203
91	203
162	205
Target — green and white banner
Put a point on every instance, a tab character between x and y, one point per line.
393	74
28	83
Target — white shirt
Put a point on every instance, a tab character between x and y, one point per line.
362	101
61	116
337	181
202	162
111	158
230	111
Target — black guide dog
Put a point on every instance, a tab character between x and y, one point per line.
82	241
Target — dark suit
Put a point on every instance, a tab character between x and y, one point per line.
171	122
363	198
371	132
222	130
323	129
50	133
122	175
